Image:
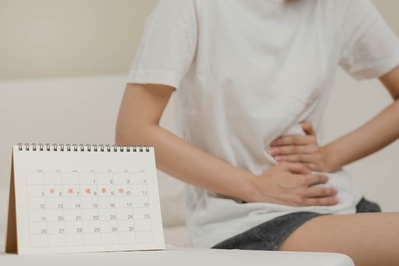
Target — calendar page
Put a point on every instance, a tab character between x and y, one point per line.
86	200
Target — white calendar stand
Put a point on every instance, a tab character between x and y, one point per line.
83	199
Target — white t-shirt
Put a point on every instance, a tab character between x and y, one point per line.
246	72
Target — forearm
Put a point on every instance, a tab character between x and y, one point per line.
189	164
369	138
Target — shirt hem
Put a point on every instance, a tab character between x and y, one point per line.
379	68
148	77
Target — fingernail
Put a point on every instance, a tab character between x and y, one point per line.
271	151
278	158
336	200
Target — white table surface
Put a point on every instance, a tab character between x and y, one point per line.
180	256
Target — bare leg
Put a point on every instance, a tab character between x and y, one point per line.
368	238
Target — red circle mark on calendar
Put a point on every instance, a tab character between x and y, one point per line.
70	191
52	191
120	190
88	191
103	190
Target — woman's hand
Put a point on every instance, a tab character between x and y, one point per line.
292	184
301	149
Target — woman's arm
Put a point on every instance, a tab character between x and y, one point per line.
138	123
369	138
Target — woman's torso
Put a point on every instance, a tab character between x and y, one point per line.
260	68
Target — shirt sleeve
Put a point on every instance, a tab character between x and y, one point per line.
168	44
370	47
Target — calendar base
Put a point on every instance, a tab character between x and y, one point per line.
11	238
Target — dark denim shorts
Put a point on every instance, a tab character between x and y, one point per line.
270	235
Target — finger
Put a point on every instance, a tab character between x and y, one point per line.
320	192
291	140
297	168
326	201
314	167
299	158
316	179
308	128
294	149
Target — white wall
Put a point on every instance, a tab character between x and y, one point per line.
47	38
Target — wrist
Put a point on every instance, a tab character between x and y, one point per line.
250	190
329	159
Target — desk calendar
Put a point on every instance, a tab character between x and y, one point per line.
84	198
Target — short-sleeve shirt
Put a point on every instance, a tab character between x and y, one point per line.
247	72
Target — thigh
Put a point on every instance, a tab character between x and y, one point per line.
368	238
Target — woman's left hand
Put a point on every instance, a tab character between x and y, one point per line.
301	149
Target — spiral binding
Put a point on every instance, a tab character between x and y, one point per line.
81	147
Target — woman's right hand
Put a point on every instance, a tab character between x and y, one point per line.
293	184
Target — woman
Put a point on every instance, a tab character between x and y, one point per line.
252	79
